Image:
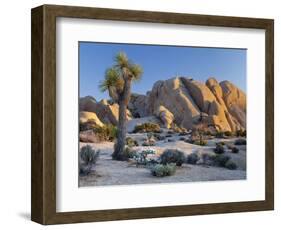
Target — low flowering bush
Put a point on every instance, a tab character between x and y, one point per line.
144	157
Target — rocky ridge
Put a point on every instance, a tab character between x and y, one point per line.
182	101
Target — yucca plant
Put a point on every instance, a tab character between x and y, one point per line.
117	81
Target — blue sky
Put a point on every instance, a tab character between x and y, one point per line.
160	63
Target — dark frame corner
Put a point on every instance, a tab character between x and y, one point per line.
43	188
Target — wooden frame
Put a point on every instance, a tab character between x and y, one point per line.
43	208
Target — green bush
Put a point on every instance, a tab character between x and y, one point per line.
148	143
159	137
202	142
131	142
230	165
83	126
221	160
172	156
228	133
219	134
208	133
192	158
171	132
183	133
234	149
147	127
160	170
219	149
241	133
240	142
107	132
129	153
208	159
88	157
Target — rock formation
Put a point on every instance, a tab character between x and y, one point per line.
90	116
107	113
165	116
184	98
181	101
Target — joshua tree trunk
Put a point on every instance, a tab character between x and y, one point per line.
122	122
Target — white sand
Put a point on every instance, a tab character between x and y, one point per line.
110	172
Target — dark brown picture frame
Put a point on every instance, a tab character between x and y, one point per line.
43	197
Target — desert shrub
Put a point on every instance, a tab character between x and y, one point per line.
221	159
172	156
177	129
208	159
88	157
148	143
192	158
229	146
208	133
159	137
131	142
230	165
183	133
200	142
168	135
219	134
171	140
107	132
228	133
241	133
219	149
129	153
234	149
240	142
83	126
220	143
141	157
147	127
160	170
182	139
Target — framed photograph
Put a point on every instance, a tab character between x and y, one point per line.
140	114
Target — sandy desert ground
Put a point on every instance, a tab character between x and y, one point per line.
110	172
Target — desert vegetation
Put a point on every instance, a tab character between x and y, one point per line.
181	130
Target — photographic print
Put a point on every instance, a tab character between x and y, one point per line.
161	114
153	104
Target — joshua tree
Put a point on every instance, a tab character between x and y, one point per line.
117	81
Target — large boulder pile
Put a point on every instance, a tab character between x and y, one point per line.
182	100
106	112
